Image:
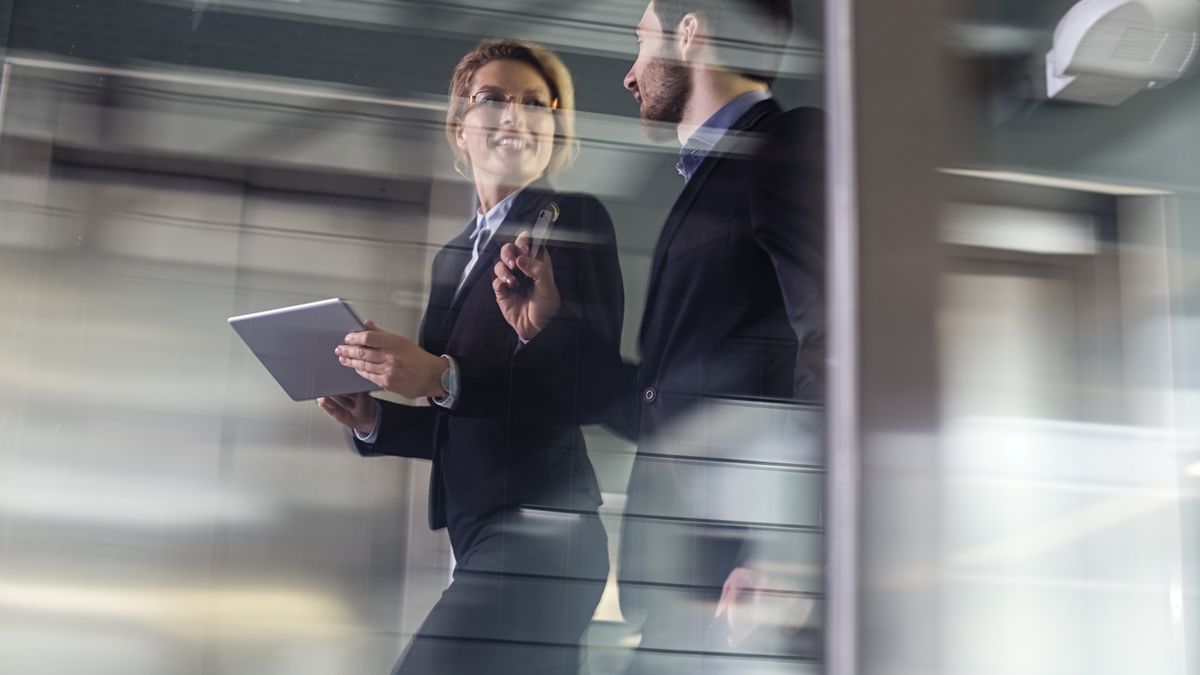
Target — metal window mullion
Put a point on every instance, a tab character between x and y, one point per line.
843	453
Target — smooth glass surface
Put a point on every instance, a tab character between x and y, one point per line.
166	164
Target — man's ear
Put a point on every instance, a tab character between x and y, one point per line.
688	36
460	135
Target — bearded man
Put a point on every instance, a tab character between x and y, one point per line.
732	334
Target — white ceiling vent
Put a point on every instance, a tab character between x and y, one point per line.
1105	51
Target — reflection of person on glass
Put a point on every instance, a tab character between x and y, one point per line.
733	319
511	478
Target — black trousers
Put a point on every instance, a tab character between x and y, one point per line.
520	600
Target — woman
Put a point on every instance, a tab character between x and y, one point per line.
511	479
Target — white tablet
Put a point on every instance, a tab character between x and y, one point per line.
296	345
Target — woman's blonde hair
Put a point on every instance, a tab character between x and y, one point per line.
552	70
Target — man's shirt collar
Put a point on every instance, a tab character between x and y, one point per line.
706	137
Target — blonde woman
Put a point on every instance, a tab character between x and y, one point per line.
511	478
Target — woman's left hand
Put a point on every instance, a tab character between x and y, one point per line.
526	310
393	362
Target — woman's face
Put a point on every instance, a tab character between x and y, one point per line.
508	128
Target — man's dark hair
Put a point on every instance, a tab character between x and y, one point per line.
749	35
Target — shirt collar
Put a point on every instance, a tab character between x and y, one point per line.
495	216
706	137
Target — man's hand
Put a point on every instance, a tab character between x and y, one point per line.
393	362
356	411
528	309
741	586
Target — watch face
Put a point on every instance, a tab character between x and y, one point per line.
448	377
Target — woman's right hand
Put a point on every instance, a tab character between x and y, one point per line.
356	411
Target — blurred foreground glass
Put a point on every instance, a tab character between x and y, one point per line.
1067	341
164	508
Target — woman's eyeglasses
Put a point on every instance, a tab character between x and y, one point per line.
496	100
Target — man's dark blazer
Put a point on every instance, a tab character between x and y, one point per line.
513	437
734	310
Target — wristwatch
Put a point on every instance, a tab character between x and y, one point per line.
449	384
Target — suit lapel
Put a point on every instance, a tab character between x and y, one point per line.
448	265
728	143
521	216
525	211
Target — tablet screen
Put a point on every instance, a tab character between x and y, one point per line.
296	345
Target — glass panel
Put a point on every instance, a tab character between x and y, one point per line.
165	507
1067	351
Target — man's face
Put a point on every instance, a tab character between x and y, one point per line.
658	79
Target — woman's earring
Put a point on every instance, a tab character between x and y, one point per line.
460	168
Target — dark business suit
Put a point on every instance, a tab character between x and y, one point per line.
511	478
734	314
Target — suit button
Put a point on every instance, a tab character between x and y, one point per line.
649	395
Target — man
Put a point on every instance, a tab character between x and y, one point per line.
732	325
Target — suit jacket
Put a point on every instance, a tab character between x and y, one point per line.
734	311
513	436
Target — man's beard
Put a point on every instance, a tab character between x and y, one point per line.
665	89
